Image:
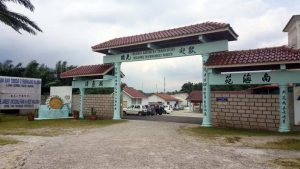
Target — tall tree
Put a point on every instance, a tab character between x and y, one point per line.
187	87
18	21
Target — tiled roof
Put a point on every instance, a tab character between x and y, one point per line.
89	70
195	96
166	97
186	31
263	56
133	93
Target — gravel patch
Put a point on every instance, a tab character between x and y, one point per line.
141	144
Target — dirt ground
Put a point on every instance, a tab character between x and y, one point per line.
135	144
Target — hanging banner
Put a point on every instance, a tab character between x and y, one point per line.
19	93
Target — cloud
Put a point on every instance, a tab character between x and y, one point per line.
71	27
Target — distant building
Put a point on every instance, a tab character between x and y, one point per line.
195	100
163	98
132	96
182	98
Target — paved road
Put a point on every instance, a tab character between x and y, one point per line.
138	144
176	116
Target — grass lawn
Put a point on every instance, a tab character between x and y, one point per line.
288	163
19	125
217	132
4	141
287	141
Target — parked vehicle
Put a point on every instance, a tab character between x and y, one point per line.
136	110
168	109
150	110
178	108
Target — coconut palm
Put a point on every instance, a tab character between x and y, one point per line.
18	21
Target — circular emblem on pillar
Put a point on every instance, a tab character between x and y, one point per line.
55	102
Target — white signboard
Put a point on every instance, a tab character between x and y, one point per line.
65	92
297	104
19	93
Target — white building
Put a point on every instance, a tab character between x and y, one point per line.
182	98
163	98
132	96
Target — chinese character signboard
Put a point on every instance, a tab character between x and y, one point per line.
162	53
19	93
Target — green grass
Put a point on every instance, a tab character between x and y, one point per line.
218	132
288	163
284	144
19	125
287	141
4	141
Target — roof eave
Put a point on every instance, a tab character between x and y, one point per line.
250	65
287	26
229	29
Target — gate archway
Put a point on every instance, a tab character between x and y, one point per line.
200	39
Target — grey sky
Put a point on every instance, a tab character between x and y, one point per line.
71	27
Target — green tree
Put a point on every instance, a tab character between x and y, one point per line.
18	21
7	68
187	87
60	67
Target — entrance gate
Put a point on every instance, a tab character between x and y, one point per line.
200	39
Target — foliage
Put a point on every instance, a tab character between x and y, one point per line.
49	76
189	87
18	21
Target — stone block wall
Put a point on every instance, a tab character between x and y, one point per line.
247	111
102	104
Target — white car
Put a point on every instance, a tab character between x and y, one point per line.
168	109
135	109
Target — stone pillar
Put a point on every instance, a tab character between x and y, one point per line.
206	122
117	91
82	93
284	125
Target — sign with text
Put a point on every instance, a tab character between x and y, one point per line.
19	85
97	83
271	77
19	93
188	50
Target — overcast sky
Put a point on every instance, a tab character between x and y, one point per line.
71	27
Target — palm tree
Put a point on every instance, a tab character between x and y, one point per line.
18	21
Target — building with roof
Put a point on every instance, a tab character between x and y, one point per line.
163	98
195	100
90	71
132	96
182	98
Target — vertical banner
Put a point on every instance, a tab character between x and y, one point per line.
117	91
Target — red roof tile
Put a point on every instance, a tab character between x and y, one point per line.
195	96
191	30
166	97
89	70
131	92
252	57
